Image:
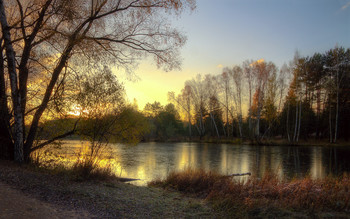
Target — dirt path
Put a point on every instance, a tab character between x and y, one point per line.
16	204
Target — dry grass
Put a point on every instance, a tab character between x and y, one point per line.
192	181
82	167
262	195
85	169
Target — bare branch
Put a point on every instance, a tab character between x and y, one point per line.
56	138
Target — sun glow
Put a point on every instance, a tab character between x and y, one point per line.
76	111
257	62
153	84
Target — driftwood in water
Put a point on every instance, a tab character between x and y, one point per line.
240	174
127	179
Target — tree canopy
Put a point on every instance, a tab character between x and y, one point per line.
48	45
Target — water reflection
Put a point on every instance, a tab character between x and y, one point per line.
148	161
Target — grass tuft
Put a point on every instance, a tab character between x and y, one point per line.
89	168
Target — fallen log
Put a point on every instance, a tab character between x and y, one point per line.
121	179
240	174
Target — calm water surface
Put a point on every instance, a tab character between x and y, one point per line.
148	161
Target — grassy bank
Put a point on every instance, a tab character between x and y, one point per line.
265	197
103	198
202	194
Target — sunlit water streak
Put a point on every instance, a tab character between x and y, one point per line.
148	161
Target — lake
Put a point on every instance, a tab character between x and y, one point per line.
148	161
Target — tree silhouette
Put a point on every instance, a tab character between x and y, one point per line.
54	37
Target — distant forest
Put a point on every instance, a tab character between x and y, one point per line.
308	98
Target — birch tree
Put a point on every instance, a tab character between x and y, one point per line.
249	76
198	96
225	88
212	100
337	67
237	77
15	93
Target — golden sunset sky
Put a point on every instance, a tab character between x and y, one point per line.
227	32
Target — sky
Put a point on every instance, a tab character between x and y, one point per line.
225	33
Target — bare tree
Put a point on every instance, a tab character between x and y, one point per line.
262	71
184	103
295	95
75	35
283	80
15	93
237	76
298	92
198	95
212	99
249	75
224	83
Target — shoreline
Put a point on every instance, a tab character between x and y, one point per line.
264	143
244	141
101	199
115	199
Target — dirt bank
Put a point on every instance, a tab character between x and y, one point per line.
16	204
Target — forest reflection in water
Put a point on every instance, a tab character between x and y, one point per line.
148	161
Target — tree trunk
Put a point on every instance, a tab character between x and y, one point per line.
240	112
232	126
330	123
16	97
318	112
336	110
201	124
190	129
240	125
281	96
287	125
215	126
227	123
189	118
299	120
35	122
223	128
296	122
6	145
72	41
257	131
250	111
